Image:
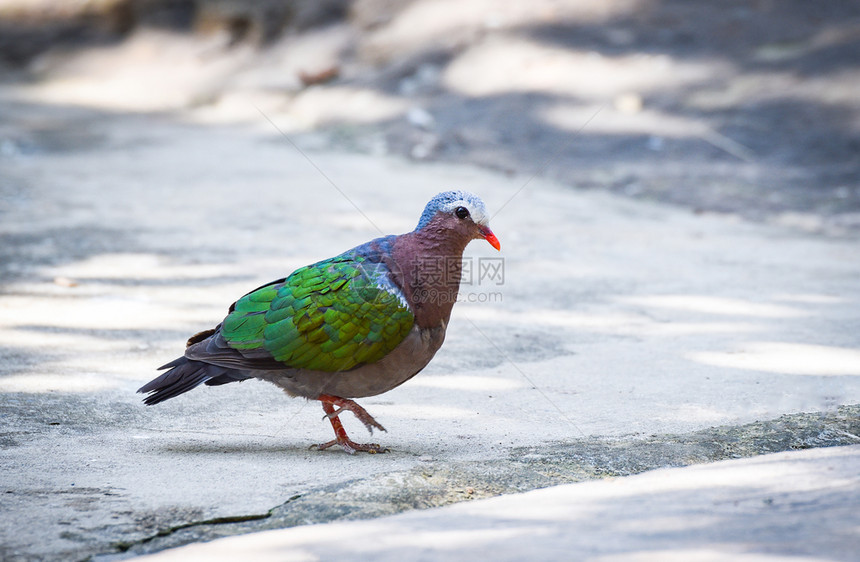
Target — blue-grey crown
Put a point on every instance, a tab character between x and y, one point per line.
447	201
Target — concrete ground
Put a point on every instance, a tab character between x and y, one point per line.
624	336
675	187
750	510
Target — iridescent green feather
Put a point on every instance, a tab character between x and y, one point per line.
331	316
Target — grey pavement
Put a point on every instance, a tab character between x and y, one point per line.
783	506
621	326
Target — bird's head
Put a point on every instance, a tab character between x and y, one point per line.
461	212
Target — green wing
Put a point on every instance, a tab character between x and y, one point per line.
330	316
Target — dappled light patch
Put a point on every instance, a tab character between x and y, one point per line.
139	267
406	410
39	383
533	66
723	306
612	322
469	383
344	105
791	358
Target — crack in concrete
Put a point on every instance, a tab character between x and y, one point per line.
123	546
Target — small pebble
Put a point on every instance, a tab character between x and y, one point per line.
65	282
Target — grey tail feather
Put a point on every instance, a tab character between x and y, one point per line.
184	375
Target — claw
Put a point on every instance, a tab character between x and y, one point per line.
352	447
341	438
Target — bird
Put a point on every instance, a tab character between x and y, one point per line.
352	326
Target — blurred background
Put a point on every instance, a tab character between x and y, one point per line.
750	107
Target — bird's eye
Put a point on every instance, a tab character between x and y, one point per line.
461	212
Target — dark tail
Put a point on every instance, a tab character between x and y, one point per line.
184	375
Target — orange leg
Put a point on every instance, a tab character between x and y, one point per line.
341	438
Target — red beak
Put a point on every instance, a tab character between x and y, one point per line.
490	237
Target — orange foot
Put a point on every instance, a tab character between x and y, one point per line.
341	438
351	446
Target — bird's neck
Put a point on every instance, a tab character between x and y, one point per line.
429	264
